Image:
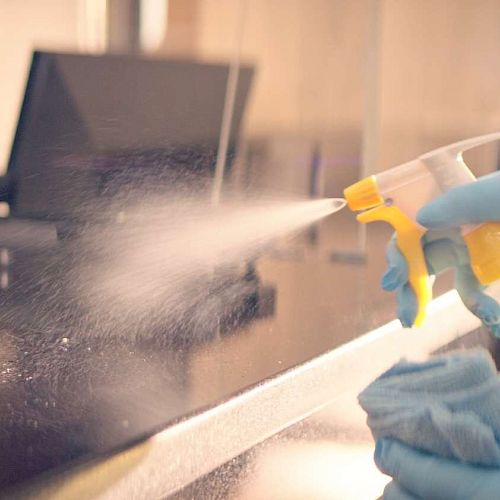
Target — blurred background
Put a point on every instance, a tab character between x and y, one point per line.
371	82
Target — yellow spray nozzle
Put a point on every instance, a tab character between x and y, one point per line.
363	194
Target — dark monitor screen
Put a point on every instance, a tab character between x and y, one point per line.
92	124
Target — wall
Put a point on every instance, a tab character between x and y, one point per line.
437	68
308	56
23	26
440	74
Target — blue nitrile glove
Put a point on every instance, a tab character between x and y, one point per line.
437	426
422	476
472	203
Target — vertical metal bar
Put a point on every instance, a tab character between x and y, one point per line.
371	114
124	26
227	115
316	187
371	118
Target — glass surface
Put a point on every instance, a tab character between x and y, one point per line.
328	455
123	305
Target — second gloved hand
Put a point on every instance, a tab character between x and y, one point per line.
444	247
417	475
437	427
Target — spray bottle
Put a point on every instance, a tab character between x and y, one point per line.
396	195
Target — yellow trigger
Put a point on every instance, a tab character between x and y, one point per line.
408	235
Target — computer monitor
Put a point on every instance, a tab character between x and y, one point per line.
92	126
